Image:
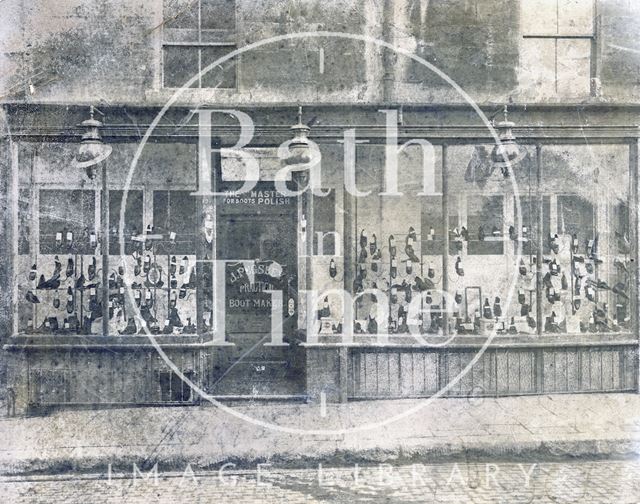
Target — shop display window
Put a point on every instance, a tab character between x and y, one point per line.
572	275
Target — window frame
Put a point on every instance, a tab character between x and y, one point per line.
229	41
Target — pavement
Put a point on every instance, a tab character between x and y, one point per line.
582	426
579	482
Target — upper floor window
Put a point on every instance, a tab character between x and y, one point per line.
557	47
196	33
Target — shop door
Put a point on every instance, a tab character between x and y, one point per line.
257	238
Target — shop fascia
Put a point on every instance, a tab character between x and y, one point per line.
301	154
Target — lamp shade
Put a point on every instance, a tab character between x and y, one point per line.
92	149
506	152
299	152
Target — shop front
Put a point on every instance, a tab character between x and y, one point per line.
466	276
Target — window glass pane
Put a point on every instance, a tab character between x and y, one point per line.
575	17
485	224
180	65
222	76
586	283
67	219
324	221
175	212
180	14
539	17
537	74
132	220
574	67
218	14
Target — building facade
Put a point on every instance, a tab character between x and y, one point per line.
485	268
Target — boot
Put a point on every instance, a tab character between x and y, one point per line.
363	239
70	268
486	309
91	270
497	309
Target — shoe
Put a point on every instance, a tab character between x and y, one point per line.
521	296
51	284
131	327
362	257
33	274
372	325
31	297
512	233
57	269
428	298
373	244
173	283
168	328
189	328
575	244
459	269
91	270
554	268
325	311
172	265
620	289
363	271
148	299
183	265
486	309
70	268
183	292
174	318
522	269
333	270
407	292
431	272
457	297
576	303
80	282
56	301
147	264
423	285
497	309
392	246
70	301
393	295
394	268
363	239
464	233
408	266
410	252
